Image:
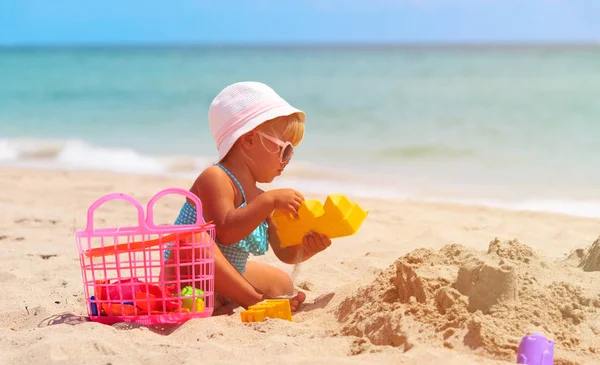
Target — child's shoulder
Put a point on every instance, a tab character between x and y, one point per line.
212	173
212	170
212	177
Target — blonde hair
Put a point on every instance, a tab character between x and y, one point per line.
287	127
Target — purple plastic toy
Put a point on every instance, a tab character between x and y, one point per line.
536	350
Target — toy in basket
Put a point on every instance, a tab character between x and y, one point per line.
126	277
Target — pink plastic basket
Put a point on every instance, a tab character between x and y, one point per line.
147	274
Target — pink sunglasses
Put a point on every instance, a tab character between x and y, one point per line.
287	148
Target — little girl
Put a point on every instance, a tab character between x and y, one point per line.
255	131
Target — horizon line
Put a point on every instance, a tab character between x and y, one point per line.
299	45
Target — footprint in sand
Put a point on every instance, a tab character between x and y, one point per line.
36	221
6	277
43	256
4	237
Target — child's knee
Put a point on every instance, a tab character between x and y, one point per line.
284	285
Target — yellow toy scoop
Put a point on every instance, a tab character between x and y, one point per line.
338	217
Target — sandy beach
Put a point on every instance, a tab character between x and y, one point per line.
420	283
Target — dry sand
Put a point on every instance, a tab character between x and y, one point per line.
422	283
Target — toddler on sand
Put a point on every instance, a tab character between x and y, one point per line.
255	131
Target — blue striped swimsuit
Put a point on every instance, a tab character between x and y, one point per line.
256	243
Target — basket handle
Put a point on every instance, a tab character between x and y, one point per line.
115	196
150	207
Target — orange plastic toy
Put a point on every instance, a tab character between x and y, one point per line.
270	308
338	217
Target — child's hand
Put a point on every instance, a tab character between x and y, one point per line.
314	242
286	200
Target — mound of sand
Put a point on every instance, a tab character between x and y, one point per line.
591	260
475	301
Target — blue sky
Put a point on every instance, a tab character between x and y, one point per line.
297	21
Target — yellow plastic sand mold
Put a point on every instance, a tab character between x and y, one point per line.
338	217
270	308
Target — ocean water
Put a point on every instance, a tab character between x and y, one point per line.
509	127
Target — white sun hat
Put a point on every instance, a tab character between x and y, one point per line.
241	107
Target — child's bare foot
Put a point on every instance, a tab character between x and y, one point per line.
297	301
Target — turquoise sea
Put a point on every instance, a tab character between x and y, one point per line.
513	127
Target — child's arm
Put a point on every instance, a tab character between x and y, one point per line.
290	255
312	243
232	224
